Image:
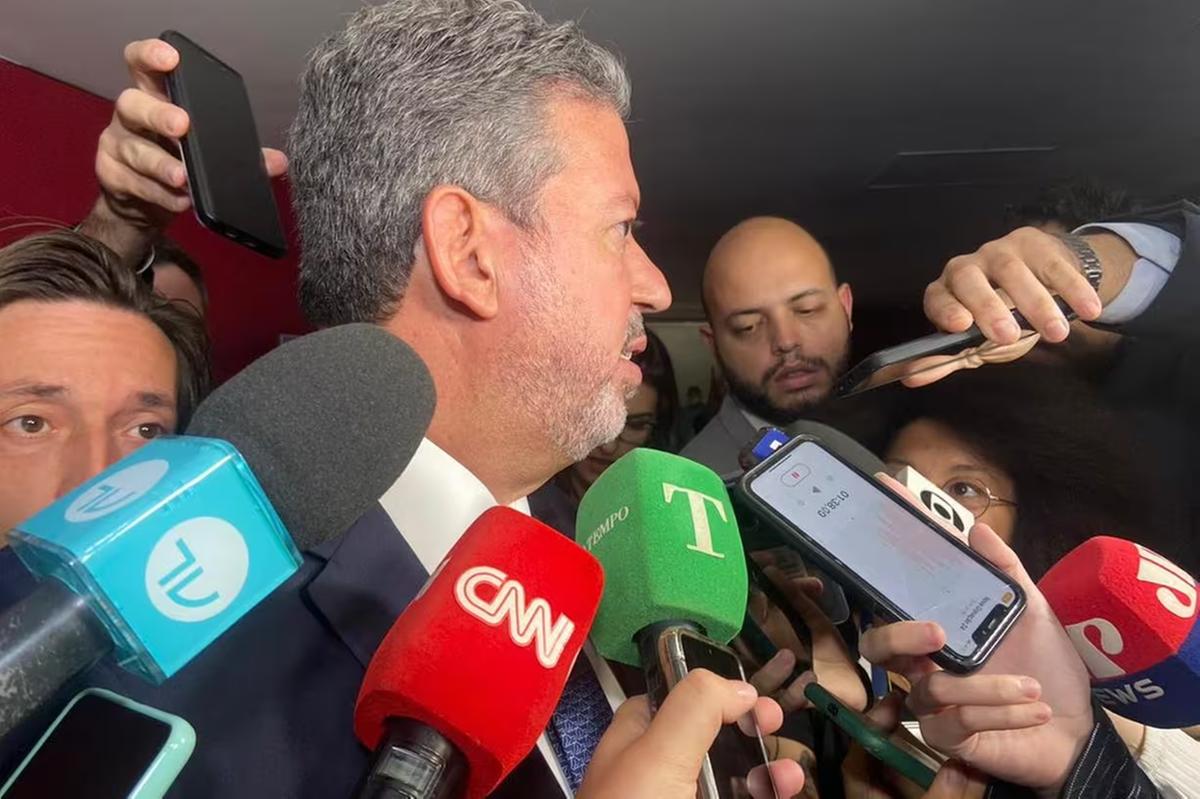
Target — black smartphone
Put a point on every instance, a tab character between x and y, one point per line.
910	358
678	650
105	746
902	564
227	177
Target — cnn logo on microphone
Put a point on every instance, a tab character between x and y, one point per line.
528	622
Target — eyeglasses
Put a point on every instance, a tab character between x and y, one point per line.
638	429
973	495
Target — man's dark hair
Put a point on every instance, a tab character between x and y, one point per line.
1073	204
167	252
65	265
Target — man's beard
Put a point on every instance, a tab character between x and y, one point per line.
562	379
756	400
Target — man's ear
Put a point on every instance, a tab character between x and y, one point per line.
706	335
458	232
846	298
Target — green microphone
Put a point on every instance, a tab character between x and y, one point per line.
664	530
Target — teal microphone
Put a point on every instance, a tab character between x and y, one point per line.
664	530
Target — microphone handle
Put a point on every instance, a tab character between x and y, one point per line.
414	761
45	640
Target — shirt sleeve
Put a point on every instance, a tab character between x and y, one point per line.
1158	253
1171	759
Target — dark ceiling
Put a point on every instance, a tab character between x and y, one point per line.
806	108
798	108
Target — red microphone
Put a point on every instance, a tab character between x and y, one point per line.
468	676
1131	615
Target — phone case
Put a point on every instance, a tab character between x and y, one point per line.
866	374
269	240
875	741
160	773
671	666
876	602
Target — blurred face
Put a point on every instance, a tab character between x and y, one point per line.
779	326
81	386
583	286
936	452
173	283
639	426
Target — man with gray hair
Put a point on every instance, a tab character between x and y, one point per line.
462	178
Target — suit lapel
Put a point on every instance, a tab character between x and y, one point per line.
739	430
369	578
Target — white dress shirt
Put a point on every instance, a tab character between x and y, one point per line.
433	503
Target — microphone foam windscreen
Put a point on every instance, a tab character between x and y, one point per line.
327	423
1131	615
664	529
483	652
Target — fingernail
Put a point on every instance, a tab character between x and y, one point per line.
1030	688
1008	329
955	779
934	634
179	175
745	690
1057	329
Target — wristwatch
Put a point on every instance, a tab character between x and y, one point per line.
1089	262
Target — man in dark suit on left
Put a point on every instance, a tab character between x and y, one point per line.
475	198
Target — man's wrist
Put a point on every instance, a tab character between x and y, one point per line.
132	243
1116	258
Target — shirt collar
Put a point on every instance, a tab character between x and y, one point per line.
435	500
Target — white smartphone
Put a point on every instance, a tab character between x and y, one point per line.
901	563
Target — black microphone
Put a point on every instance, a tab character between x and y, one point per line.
166	549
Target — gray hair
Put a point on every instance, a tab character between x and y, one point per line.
415	94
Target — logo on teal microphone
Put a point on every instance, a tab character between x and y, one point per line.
197	569
116	490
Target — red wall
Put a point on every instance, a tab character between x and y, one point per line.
48	133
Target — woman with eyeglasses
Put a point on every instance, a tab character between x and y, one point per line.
1033	453
649	422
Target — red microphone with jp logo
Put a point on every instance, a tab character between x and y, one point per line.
1131	615
468	677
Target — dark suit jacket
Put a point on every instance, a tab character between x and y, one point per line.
272	700
718	444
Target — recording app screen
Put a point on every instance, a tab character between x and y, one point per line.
108	746
919	571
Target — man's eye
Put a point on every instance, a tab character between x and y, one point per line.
149	430
629	227
28	425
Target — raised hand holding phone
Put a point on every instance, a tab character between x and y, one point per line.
143	182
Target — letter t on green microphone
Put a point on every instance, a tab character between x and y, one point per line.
664	530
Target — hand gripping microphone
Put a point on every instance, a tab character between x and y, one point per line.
165	550
663	528
468	676
1131	614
